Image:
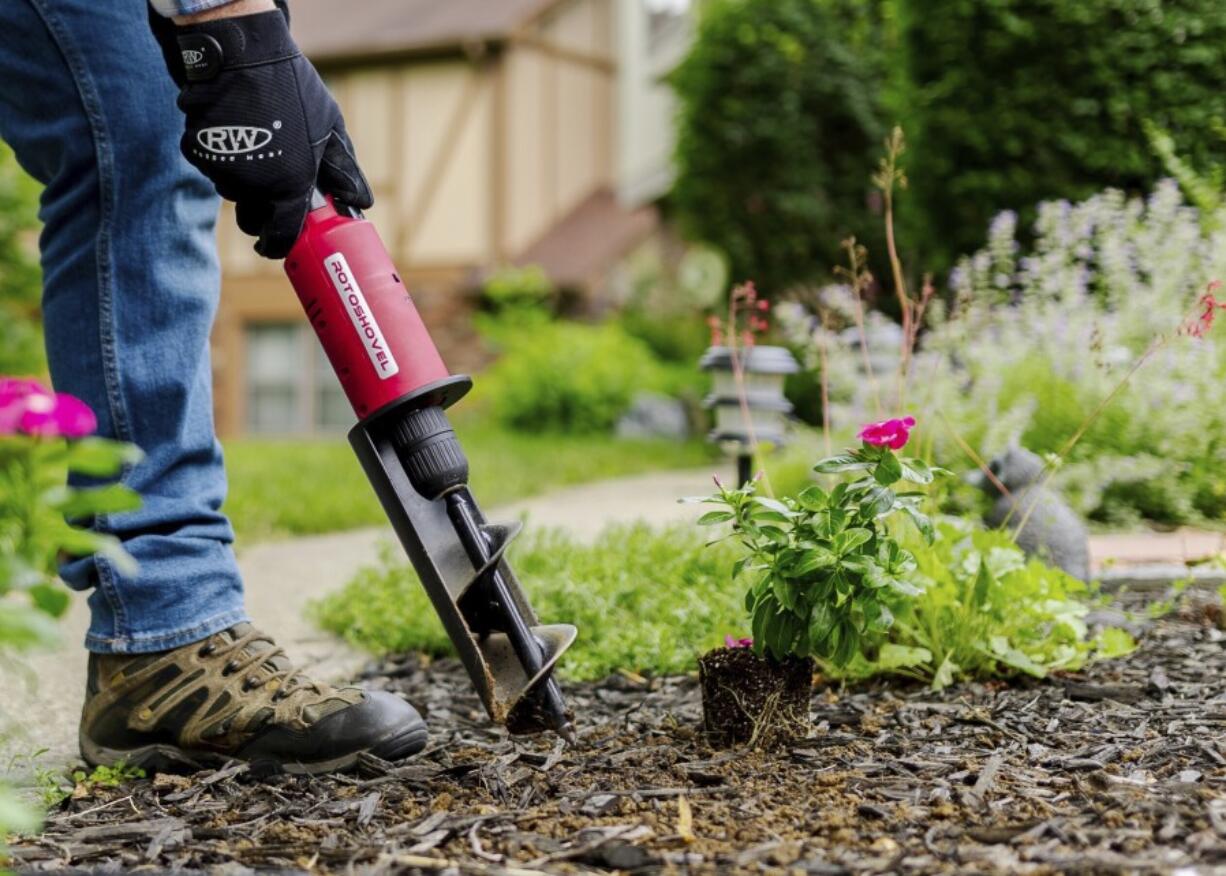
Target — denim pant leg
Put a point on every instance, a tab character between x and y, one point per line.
131	284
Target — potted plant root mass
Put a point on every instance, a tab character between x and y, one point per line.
826	578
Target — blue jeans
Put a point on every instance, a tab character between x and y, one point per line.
131	285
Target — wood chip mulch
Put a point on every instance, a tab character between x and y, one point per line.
1120	768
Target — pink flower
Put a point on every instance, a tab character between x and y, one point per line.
893	434
736	644
29	408
1201	325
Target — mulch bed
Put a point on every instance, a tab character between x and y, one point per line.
1121	768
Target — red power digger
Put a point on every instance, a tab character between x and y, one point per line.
395	379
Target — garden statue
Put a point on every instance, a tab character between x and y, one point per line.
1042	522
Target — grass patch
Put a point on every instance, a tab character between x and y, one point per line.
281	488
647	600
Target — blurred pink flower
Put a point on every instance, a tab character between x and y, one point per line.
736	644
29	408
1200	326
893	434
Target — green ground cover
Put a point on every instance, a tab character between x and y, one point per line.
284	488
651	601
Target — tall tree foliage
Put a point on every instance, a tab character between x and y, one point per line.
779	126
1010	102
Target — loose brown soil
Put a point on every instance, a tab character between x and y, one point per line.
1121	768
752	700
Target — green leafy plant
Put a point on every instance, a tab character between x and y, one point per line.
42	437
54	786
828	574
986	611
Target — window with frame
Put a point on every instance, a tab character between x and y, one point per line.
291	388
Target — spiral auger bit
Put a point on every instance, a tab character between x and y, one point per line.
399	387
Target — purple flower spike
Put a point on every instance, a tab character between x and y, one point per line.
737	644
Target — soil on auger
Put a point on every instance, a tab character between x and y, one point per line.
1120	768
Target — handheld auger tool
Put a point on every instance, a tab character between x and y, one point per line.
399	387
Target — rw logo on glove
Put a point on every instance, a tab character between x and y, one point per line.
233	139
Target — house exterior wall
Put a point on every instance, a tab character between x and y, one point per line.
472	158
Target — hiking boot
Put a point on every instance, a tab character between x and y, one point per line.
235	696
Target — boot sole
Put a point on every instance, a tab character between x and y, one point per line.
172	759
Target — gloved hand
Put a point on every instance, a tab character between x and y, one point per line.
260	122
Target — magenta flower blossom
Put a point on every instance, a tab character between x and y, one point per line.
893	434
736	644
29	408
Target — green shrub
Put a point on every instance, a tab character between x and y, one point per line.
42	438
668	305
515	300
779	129
644	600
569	377
651	601
1009	102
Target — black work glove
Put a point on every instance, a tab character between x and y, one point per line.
260	123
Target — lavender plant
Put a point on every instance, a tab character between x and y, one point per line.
1035	336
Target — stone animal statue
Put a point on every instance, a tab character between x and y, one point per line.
1052	532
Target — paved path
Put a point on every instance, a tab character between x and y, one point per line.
282	577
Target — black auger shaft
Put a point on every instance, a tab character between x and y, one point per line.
547	696
438	469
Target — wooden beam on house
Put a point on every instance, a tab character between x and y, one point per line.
593	60
440	161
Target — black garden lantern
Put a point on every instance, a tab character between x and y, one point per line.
765	369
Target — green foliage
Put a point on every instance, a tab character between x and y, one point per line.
21	344
35	506
569	377
15	818
644	600
1008	102
1204	190
667	305
827	575
54	786
269	497
987	611
515	300
779	128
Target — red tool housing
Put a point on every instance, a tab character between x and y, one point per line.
365	319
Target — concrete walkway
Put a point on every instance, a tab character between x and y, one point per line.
282	577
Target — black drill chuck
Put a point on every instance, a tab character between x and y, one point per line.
430	452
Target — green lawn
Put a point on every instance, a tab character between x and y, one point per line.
288	487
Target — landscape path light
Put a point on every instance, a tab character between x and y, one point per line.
765	369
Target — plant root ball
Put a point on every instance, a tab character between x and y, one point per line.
747	699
